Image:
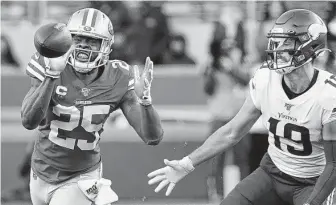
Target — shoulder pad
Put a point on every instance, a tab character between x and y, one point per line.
328	93
36	66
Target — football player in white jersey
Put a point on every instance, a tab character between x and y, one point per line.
297	104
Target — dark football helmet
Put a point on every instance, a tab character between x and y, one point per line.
301	34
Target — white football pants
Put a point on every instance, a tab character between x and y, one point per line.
65	193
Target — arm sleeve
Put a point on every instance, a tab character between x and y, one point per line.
258	85
327	181
144	119
36	67
254	90
329	115
327	100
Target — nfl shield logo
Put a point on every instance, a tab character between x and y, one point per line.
288	106
85	91
93	189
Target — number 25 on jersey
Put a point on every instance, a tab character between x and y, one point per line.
71	118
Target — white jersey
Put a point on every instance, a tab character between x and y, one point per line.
295	125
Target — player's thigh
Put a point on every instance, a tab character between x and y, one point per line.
38	190
256	188
69	194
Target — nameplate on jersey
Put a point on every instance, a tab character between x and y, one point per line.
83	102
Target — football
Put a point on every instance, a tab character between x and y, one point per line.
52	40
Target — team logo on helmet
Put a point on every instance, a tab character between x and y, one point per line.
315	30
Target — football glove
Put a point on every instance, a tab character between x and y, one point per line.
142	83
171	174
55	66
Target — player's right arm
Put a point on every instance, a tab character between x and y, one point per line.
220	141
36	102
228	135
43	72
232	132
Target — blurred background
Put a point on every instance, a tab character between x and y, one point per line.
204	54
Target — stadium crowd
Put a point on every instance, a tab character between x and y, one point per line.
234	50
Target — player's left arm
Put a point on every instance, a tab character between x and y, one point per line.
138	109
144	119
327	180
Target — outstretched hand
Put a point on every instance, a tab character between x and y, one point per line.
143	81
170	174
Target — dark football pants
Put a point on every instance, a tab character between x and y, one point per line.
268	185
256	189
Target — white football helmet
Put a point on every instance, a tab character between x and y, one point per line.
95	24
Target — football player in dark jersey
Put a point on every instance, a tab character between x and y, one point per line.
69	100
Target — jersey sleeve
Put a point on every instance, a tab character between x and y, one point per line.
126	69
36	67
131	83
328	101
257	86
329	116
